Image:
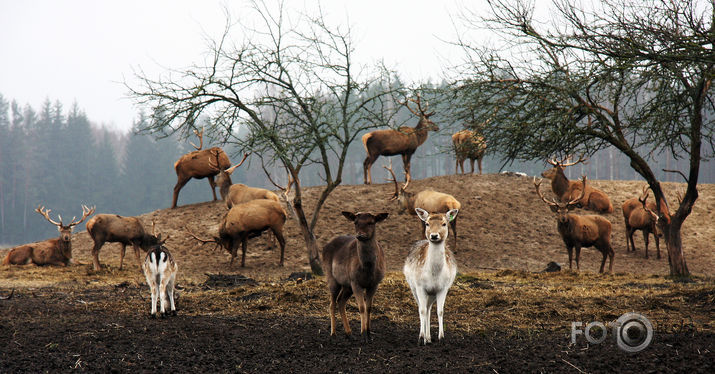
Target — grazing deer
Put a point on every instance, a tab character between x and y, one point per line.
113	228
195	165
56	251
431	201
234	194
160	271
403	141
430	269
245	221
354	265
468	145
581	231
565	190
640	216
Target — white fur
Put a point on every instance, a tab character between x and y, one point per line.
160	275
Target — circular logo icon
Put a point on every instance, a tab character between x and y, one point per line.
634	332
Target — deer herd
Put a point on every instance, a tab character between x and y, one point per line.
354	264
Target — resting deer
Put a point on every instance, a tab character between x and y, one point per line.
354	265
113	228
56	251
468	145
581	231
565	190
234	194
640	216
430	269
403	141
195	165
160	271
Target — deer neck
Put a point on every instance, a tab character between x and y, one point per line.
367	253
421	132
435	259
65	248
560	184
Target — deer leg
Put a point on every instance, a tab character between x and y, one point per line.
170	293
136	254
244	241
359	293
121	255
368	301
570	251
611	255
152	286
212	183
366	166
421	297
430	302
479	162
628	229
162	295
471	162
578	257
281	242
179	184
95	254
657	242
441	297
645	240
334	289
406	163
456	166
343	297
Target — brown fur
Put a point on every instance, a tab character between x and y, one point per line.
593	199
468	145
49	252
196	165
240	193
113	228
637	218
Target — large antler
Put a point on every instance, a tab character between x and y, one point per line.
201	139
418	101
538	192
583	192
563	162
46	213
86	212
203	241
394	179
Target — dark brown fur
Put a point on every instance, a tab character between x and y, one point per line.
196	165
593	199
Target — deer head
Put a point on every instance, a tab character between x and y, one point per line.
224	176
365	224
421	112
561	209
559	165
400	194
65	230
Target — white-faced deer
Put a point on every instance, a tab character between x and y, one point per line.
354	265
195	165
468	145
52	251
245	221
581	231
160	271
430	269
431	201
403	141
113	228
565	190
639	215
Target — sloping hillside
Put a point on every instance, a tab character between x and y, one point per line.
502	224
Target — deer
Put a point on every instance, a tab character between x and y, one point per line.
565	190
56	251
195	165
638	215
113	228
430	269
578	231
245	221
403	141
354	264
429	200
468	145
160	271
238	193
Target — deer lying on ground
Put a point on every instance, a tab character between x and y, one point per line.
160	271
56	251
354	265
114	228
245	221
581	231
640	216
234	194
565	190
195	165
403	141
468	145
431	201
430	269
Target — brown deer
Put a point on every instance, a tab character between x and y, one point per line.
468	145
565	190
403	141
234	194
638	215
429	200
56	251
113	228
245	221
581	231
195	165
354	264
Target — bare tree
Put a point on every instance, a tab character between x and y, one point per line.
633	74
291	92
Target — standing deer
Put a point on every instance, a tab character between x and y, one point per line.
565	190
56	251
354	265
430	269
113	228
403	141
638	215
468	145
195	165
160	271
581	231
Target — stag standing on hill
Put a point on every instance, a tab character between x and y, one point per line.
49	252
196	165
113	228
565	190
403	141
468	145
354	265
639	215
581	231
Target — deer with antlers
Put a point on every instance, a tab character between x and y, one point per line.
639	215
56	251
578	231
468	145
234	194
566	190
403	141
196	165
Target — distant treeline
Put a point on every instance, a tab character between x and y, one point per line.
58	158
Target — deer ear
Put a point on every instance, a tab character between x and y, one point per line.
381	217
452	215
349	215
422	214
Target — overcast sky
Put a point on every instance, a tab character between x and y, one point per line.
81	50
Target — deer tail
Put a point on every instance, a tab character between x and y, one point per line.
365	138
